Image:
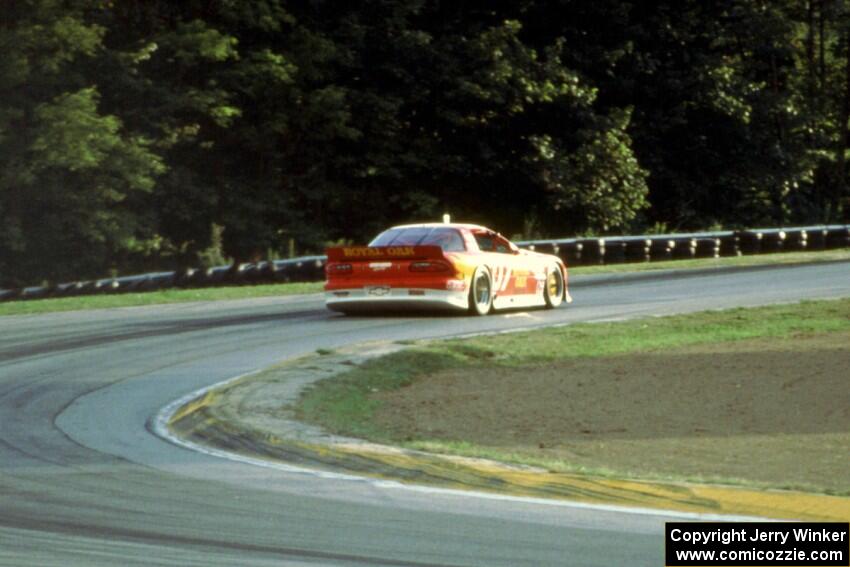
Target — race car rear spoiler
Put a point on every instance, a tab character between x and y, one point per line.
371	253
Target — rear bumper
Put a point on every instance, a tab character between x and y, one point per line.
392	299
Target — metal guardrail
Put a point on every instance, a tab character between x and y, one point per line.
656	247
574	251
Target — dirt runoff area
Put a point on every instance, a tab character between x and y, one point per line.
770	412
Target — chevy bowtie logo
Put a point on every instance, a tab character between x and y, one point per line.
378	290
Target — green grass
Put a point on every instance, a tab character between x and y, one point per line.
600	339
244	292
109	301
345	404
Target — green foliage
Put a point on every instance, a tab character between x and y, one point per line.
600	184
128	129
345	403
72	175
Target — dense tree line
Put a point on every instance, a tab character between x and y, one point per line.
150	133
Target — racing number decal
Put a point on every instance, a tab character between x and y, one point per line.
497	277
501	277
517	279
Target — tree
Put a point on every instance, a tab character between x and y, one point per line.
458	113
71	176
718	118
147	132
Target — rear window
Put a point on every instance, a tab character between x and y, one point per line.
449	239
386	237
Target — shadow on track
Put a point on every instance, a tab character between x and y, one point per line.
140	330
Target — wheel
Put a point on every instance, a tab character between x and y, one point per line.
481	292
553	292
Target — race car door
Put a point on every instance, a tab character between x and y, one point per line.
514	284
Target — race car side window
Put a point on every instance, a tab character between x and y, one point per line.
502	245
485	241
491	242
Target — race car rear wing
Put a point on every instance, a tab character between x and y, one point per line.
371	253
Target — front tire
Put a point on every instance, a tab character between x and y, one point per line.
481	292
553	291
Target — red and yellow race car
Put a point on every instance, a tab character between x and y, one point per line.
461	267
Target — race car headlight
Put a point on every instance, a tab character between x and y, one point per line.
430	267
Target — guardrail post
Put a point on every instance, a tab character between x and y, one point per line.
266	272
661	249
686	248
708	248
571	253
750	241
730	245
796	240
199	278
107	286
773	242
593	251
183	277
816	238
638	250
838	237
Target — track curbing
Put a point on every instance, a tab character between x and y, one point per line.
205	421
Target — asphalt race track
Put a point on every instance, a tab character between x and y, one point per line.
83	481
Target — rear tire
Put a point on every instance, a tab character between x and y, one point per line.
553	291
481	292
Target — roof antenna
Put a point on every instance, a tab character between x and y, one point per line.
447	218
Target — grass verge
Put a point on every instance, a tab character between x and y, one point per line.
423	397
